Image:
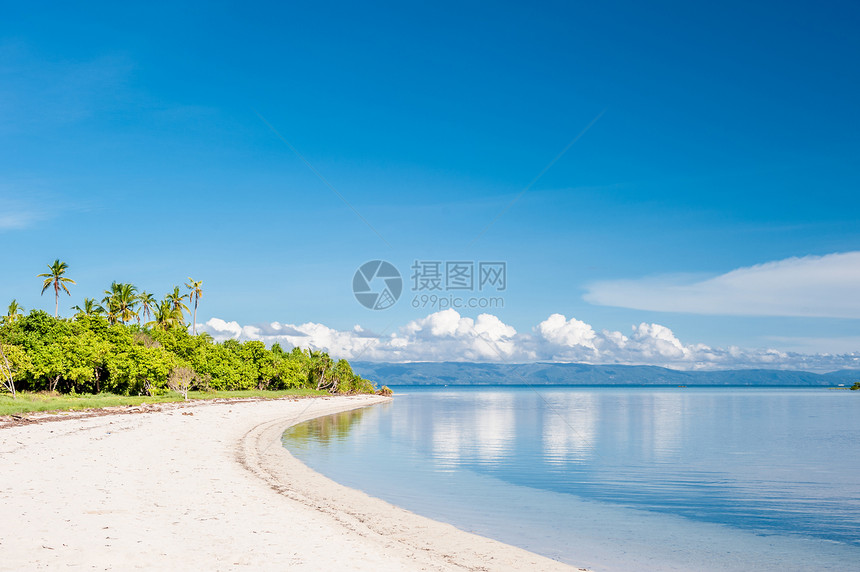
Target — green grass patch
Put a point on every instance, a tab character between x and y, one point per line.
28	402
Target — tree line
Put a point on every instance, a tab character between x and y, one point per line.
123	303
132	344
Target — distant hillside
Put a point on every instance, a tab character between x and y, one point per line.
457	373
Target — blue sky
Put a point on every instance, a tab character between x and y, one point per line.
137	147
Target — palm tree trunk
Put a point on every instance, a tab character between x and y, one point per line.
56	299
194	323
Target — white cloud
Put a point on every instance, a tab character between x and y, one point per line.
811	286
15	220
844	344
564	333
221	330
26	202
448	336
16	214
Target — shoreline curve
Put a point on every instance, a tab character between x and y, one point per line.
211	487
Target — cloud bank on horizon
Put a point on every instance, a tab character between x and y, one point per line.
810	286
448	336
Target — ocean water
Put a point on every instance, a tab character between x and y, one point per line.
616	478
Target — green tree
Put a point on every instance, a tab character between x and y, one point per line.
139	370
292	372
261	361
342	376
165	316
55	277
90	308
84	355
347	381
15	311
320	370
95	353
177	301
121	301
147	303
196	287
110	314
40	335
226	366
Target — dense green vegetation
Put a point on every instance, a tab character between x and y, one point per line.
87	354
106	348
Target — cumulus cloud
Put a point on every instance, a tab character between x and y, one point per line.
810	286
448	336
563	332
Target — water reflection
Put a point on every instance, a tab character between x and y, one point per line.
494	426
448	443
323	430
667	411
707	455
515	462
570	429
487	427
481	431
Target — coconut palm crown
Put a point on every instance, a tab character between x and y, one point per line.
15	310
176	300
55	277
196	287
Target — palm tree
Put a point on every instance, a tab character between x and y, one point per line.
176	300
321	366
147	303
196	287
90	308
110	305
55	277
121	300
14	311
127	301
110	314
166	316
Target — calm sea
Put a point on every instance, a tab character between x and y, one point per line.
616	478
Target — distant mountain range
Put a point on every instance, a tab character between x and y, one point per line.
458	373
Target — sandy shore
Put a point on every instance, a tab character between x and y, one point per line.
209	487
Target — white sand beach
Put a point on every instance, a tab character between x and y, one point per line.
209	487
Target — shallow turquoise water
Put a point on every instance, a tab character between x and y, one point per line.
616	478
